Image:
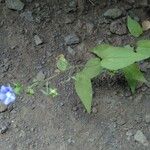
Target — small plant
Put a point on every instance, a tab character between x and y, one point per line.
107	57
113	59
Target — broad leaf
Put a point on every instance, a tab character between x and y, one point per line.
133	75
115	58
143	47
98	50
83	88
62	63
92	68
134	27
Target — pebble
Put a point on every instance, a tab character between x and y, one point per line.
40	76
38	40
29	1
75	108
120	121
94	110
140	137
15	4
113	13
90	27
3	107
118	27
147	118
69	20
129	134
70	141
72	39
27	15
71	51
72	7
4	127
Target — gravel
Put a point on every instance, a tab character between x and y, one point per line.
72	39
147	118
118	27
140	137
38	40
15	4
3	127
113	13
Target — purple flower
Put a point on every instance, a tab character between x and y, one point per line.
7	95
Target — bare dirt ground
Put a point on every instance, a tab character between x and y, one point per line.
119	120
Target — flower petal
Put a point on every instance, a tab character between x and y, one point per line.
10	97
2	97
5	89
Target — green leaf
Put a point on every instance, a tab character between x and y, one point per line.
133	75
17	88
134	27
30	91
62	63
92	68
143	47
83	88
115	58
98	50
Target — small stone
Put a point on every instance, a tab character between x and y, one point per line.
71	50
27	15
75	108
40	76
120	121
94	110
72	6
146	25
61	104
70	141
129	134
38	40
113	13
118	27
90	27
4	127
147	118
140	137
130	1
3	107
72	39
69	20
15	4
29	1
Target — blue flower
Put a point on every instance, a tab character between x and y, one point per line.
7	95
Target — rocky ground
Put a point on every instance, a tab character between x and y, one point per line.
32	35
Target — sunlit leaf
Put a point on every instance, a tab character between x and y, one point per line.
17	88
115	58
134	27
83	88
133	75
92	68
143	47
62	63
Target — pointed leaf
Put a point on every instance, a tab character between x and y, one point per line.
98	50
83	88
115	58
92	68
133	75
134	27
143	47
